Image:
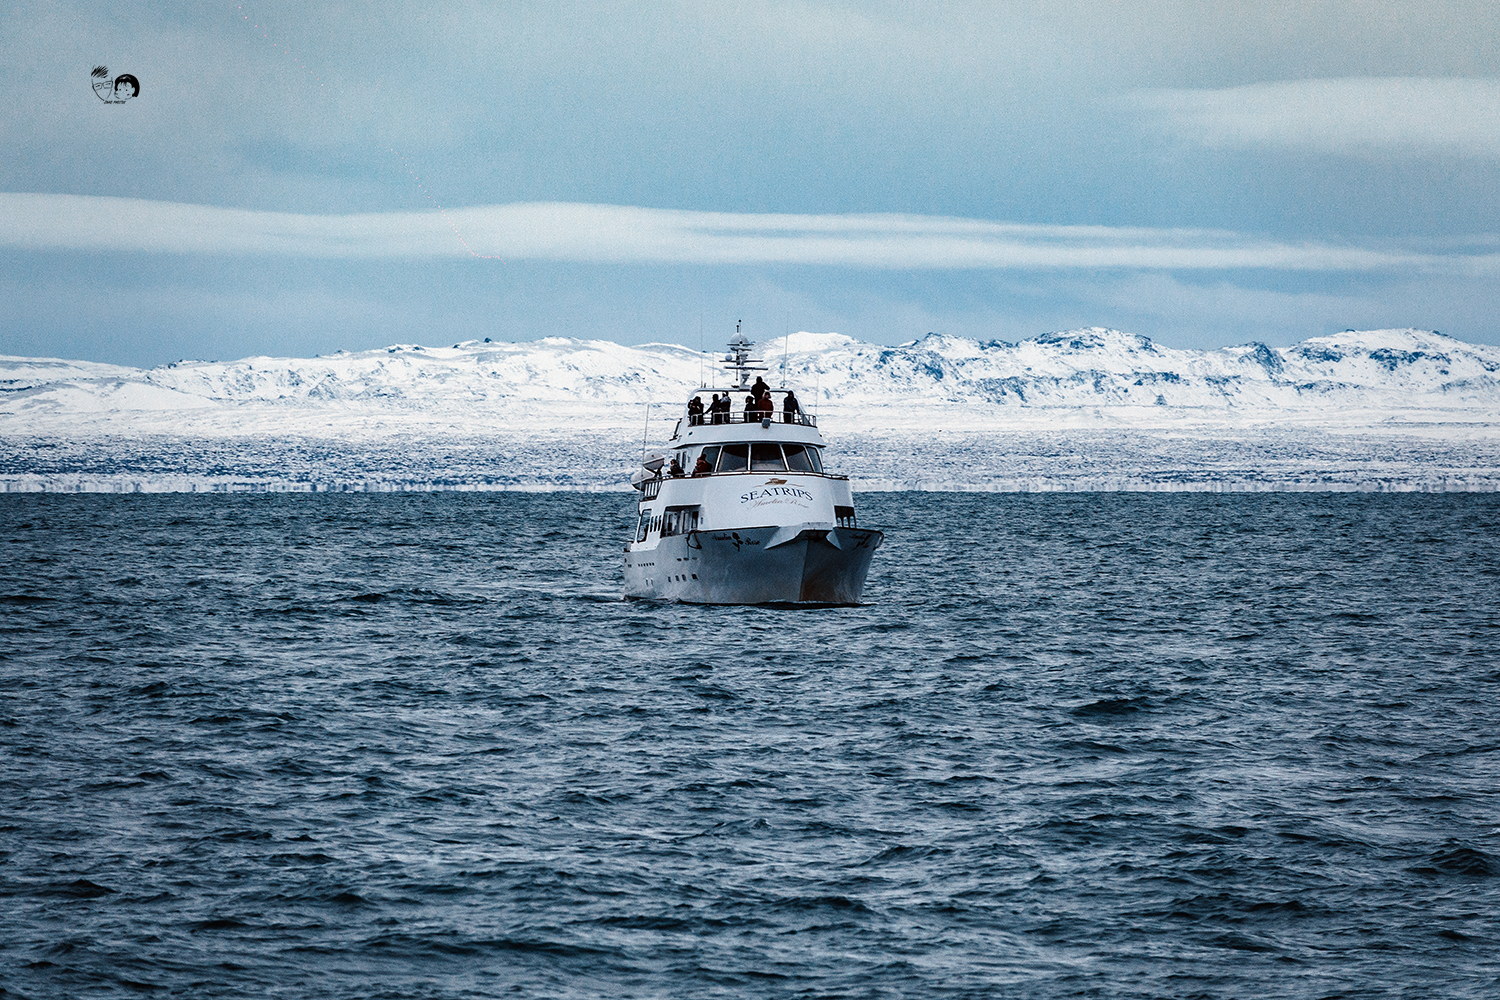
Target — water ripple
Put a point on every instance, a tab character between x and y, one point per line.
1073	745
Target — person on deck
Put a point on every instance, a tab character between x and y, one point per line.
760	388
752	407
790	408
701	467
715	408
675	469
695	411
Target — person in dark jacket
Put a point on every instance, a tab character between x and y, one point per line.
790	408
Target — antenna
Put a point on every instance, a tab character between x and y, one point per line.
646	434
786	344
700	350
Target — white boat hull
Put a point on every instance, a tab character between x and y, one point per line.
769	565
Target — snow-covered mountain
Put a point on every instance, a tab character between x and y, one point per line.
1377	374
940	404
1098	367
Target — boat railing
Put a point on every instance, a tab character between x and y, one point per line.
751	417
651	488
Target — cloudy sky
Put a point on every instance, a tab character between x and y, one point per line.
298	178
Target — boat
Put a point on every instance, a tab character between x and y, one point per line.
738	508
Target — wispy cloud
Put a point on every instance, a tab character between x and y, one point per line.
620	234
1355	115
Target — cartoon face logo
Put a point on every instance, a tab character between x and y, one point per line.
117	91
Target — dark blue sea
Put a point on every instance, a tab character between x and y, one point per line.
414	745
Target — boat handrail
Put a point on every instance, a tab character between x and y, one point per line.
752	417
651	488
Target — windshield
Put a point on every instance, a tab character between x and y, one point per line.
796	458
766	457
734	458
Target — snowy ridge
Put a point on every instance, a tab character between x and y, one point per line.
1390	370
937	412
547	380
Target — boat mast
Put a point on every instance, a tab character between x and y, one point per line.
739	359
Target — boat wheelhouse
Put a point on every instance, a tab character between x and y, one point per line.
738	508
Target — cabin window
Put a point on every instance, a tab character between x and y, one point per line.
844	516
641	528
766	457
679	521
710	456
796	458
816	456
734	458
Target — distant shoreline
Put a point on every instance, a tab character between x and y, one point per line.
1437	458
